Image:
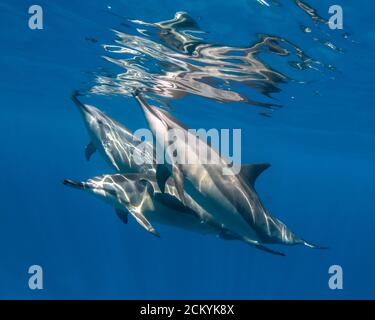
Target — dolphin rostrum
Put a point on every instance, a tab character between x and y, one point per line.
230	198
116	144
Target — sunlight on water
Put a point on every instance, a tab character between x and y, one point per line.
172	59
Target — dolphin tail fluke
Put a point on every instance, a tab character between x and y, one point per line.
266	249
313	246
73	184
259	246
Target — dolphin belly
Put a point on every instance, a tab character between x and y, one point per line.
182	219
209	197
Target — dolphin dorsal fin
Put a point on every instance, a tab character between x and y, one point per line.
250	172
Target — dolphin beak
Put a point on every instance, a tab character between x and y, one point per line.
81	107
143	104
73	184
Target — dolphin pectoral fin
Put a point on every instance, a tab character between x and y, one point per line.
266	249
178	177
162	175
89	151
141	219
123	215
250	172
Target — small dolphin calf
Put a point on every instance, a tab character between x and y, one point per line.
230	198
116	144
139	195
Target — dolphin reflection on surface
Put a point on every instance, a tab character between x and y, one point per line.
169	59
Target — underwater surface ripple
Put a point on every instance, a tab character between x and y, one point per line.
170	59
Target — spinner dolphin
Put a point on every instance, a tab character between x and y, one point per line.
115	143
139	195
230	198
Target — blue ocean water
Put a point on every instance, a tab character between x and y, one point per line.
320	144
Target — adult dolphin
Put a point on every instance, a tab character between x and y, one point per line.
116	144
231	198
139	195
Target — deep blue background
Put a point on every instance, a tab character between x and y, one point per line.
321	147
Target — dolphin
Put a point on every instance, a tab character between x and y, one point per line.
115	143
119	146
139	195
230	198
